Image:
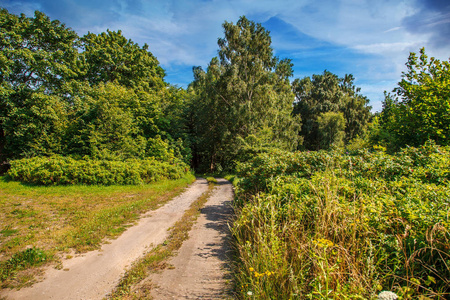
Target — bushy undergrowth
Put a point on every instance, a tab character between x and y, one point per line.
325	225
66	170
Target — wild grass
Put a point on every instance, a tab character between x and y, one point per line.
339	226
54	220
156	259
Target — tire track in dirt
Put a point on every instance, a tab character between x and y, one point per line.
95	274
201	269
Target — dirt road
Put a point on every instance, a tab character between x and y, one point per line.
95	274
201	268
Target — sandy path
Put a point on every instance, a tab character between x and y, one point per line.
201	268
94	274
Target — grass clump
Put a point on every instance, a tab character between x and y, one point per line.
21	261
328	225
211	180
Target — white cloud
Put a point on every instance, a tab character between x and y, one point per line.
388	48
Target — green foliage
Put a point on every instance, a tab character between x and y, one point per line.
36	53
243	92
327	93
110	119
331	129
65	170
37	57
419	110
329	224
33	124
110	57
108	101
211	180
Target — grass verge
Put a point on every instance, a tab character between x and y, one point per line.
41	223
156	259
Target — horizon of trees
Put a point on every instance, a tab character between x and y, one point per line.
104	96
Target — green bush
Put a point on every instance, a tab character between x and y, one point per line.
63	170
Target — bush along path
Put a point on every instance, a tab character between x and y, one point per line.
94	275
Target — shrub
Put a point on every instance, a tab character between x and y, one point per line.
66	170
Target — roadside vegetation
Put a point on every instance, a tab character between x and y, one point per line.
331	225
333	201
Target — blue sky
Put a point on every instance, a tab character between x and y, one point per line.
370	39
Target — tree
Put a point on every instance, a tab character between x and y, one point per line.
38	57
418	110
246	90
108	101
36	53
110	57
326	93
104	123
331	129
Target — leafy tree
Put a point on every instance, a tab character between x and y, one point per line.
110	57
207	114
332	129
103	124
326	93
419	109
355	108
36	53
37	57
109	101
245	91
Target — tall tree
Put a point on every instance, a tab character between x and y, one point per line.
331	129
109	100
247	90
38	56
327	93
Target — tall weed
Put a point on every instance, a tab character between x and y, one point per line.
330	225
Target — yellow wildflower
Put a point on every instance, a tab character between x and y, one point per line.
323	243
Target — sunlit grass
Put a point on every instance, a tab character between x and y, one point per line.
55	219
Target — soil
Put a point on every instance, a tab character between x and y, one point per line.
199	272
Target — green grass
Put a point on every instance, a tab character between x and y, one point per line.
55	219
211	180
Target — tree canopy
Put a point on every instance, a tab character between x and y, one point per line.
419	108
110	57
99	95
243	95
320	95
